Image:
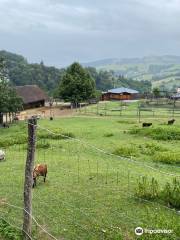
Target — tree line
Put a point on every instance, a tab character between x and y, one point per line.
48	78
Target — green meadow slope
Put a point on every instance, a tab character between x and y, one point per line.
162	71
90	193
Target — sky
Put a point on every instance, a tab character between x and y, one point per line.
60	32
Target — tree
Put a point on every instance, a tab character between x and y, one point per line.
9	101
76	85
156	92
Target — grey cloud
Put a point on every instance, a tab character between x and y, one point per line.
63	31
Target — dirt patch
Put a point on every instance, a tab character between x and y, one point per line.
3	202
46	112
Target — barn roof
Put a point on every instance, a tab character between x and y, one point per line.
122	90
31	93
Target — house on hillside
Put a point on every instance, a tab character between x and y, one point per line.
120	94
32	96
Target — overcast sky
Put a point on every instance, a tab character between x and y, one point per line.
62	31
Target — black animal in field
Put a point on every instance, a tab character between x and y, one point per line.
171	122
146	124
5	125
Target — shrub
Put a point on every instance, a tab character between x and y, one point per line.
9	232
159	133
171	193
56	136
43	145
147	189
126	121
150	148
126	151
14	139
108	135
167	157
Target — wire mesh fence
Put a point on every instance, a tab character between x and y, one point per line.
137	109
89	192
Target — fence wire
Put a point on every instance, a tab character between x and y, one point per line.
83	187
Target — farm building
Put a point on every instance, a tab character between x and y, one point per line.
176	96
32	96
120	94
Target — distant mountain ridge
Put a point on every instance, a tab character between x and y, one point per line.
162	71
165	59
20	72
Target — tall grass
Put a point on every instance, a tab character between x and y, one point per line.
159	133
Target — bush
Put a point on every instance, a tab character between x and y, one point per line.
14	139
56	136
150	148
159	133
43	145
147	189
171	193
167	157
9	232
126	151
108	135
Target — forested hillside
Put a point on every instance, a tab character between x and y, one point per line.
21	72
162	71
108	79
48	78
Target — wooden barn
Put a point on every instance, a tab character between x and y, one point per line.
120	94
32	96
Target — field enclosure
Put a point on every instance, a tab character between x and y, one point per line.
94	164
157	108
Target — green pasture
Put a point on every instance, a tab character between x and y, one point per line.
91	183
160	110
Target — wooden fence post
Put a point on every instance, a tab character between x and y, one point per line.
27	221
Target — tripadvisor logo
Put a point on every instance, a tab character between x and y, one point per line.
138	231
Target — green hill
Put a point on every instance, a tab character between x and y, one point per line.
22	73
162	71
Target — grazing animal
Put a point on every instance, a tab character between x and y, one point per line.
39	170
170	122
2	155
16	118
51	118
5	125
146	124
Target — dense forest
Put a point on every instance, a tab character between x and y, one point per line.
48	78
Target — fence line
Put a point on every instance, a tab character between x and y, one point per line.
17	207
100	151
107	153
14	226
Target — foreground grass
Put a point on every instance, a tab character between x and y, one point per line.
88	194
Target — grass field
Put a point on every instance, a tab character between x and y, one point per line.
90	193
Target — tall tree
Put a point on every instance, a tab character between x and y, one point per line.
156	92
76	85
9	101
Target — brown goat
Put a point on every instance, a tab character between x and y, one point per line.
39	170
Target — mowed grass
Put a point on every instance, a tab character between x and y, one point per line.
90	194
